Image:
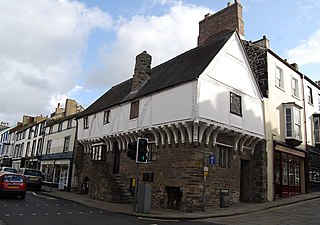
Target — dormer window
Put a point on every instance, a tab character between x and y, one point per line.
106	117
316	128
292	113
85	123
134	110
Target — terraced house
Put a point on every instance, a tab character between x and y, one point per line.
201	110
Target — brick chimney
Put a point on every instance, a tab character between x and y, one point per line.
227	19
142	71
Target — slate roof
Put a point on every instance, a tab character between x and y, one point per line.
181	69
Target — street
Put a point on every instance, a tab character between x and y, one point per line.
306	213
44	210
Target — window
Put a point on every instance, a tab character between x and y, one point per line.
39	147
33	149
36	131
224	157
21	149
60	126
279	77
295	90
69	123
85	123
98	152
319	101
310	99
66	144
27	148
48	146
235	104
293	122
50	129
134	110
106	117
316	128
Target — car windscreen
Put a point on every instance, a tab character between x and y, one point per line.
12	178
32	173
12	170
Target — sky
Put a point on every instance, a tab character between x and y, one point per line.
51	50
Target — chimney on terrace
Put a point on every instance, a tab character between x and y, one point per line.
142	71
225	20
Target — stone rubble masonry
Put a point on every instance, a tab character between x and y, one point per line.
257	57
142	71
178	166
227	19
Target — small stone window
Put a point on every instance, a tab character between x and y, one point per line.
224	157
98	152
235	104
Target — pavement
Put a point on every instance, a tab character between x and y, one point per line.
155	213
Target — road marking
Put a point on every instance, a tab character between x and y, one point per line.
47	214
90	212
59	213
42	196
34	214
21	214
154	219
7	214
27	205
70	213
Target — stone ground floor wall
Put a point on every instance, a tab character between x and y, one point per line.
177	176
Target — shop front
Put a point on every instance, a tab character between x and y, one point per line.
289	171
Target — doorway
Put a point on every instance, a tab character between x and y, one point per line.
244	181
174	197
116	160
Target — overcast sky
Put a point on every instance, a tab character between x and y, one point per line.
51	50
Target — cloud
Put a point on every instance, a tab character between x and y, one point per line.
307	52
42	44
163	37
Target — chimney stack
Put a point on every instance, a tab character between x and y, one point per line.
142	71
264	42
227	19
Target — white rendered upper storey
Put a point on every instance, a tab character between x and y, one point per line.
220	95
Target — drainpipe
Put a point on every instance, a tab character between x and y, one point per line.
71	160
306	164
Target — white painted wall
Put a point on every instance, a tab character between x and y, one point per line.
274	113
58	137
175	104
230	72
311	109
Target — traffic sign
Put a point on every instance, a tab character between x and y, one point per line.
212	159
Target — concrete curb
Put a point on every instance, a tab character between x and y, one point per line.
263	206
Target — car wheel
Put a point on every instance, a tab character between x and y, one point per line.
23	196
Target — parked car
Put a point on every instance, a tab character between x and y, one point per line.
12	184
9	169
33	178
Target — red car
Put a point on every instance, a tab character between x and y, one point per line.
12	184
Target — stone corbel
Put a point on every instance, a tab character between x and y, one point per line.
162	135
202	129
215	135
135	135
236	140
253	144
181	128
189	130
155	135
175	132
242	142
127	139
208	133
108	144
168	133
